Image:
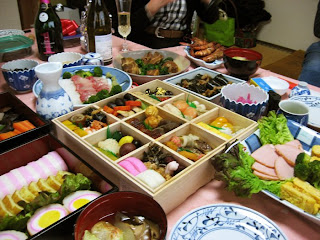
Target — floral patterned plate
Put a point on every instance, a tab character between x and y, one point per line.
225	221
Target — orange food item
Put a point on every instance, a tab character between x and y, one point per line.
7	135
98	125
180	104
190	112
189	155
108	109
23	126
171	145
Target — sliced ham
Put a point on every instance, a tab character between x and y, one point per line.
264	176
266	155
295	143
288	152
283	169
263	169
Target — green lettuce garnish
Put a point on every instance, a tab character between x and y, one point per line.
274	129
234	168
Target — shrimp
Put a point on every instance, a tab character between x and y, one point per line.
218	53
180	104
204	52
190	113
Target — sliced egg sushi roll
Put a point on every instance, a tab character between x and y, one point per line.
12	235
46	216
78	199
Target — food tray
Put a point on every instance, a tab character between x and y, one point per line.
174	191
42	126
32	151
200	70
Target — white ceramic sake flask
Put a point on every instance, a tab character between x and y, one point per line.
53	101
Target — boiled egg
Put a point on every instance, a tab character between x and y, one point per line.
46	216
78	199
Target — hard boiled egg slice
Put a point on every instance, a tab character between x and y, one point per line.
78	199
46	216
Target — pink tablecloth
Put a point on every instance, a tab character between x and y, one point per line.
292	224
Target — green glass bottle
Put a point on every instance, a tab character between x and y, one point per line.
48	31
99	30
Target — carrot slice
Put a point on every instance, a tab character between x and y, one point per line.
23	126
28	124
108	109
7	135
133	103
122	108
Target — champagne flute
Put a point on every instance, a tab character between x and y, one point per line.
124	27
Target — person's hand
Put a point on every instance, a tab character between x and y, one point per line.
153	6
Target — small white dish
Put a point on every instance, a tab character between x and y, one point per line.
68	59
225	221
215	64
278	85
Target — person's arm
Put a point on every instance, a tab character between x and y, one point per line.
316	28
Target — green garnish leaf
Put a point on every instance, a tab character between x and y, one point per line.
147	126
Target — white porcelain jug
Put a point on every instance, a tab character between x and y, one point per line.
53	101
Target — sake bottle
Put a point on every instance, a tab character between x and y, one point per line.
48	31
99	30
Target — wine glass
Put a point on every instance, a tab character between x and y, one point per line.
124	27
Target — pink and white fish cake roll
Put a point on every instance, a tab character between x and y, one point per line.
133	165
55	162
6	186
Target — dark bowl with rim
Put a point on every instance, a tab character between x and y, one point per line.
241	62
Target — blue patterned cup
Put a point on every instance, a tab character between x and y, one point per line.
20	75
300	89
294	110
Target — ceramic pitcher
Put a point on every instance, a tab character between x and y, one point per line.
53	101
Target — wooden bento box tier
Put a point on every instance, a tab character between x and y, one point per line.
195	173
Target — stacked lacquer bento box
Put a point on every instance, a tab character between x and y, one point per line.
194	174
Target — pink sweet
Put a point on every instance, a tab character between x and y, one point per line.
133	165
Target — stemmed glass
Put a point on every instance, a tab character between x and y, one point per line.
124	27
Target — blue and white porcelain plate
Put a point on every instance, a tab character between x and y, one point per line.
313	102
307	138
122	77
215	64
225	221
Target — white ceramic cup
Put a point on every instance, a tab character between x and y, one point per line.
295	110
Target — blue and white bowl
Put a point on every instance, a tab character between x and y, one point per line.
20	75
231	93
92	59
68	59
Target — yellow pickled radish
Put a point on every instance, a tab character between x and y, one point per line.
125	139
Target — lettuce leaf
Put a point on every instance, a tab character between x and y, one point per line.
234	168
17	223
274	129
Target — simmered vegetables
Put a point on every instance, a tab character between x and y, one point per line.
153	125
189	146
117	144
126	106
205	84
87	122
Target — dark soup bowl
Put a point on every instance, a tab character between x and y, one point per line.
130	208
241	62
